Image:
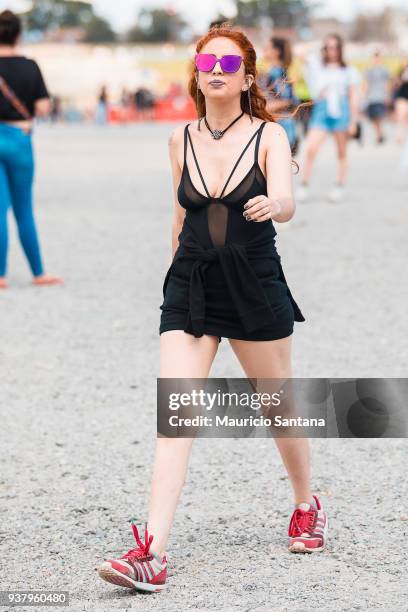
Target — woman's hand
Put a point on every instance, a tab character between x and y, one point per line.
261	208
352	129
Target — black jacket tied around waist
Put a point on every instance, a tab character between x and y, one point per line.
245	289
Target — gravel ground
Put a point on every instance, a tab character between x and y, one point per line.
79	366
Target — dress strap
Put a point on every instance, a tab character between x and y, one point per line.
185	142
258	138
196	162
256	133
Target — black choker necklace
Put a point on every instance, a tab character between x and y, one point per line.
217	134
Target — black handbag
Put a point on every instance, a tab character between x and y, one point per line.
358	135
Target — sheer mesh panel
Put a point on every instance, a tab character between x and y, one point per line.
217	216
187	192
242	189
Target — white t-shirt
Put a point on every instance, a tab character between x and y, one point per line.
330	82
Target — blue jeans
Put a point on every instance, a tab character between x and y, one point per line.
16	181
323	121
101	116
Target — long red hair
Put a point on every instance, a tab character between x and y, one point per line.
258	100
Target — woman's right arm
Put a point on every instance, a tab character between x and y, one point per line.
312	72
175	144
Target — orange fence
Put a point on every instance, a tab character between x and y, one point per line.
174	109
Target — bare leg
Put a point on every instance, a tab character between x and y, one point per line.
181	356
272	359
401	116
341	143
314	140
378	127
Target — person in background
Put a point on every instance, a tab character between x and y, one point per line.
404	158
125	98
145	103
334	88
23	95
280	96
302	94
377	92
56	113
102	106
401	103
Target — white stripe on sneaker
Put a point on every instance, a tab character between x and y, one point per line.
140	573
144	566
156	565
149	570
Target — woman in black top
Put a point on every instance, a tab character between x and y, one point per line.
23	94
231	177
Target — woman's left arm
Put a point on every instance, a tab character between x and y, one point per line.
354	99
279	204
354	92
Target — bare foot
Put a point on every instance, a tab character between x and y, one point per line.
3	284
46	279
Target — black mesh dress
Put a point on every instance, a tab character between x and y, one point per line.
226	277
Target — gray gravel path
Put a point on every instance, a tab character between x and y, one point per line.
78	366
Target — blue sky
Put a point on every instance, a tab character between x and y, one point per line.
122	13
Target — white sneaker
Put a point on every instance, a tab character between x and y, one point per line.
336	194
302	194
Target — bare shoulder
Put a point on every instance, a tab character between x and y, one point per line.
176	137
277	139
275	131
175	148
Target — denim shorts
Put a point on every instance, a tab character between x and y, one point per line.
376	110
320	118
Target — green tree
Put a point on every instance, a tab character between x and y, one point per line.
46	15
99	30
284	13
49	14
157	25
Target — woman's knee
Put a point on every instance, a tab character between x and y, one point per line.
312	147
311	150
342	154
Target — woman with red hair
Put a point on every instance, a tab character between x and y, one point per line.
225	280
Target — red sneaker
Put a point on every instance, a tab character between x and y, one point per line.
139	568
308	527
